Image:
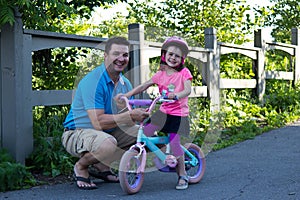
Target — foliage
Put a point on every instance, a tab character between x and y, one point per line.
200	120
13	175
47	14
282	96
49	157
55	69
7	10
279	60
245	118
282	21
236	66
117	26
190	18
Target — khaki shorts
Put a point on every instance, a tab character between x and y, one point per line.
79	141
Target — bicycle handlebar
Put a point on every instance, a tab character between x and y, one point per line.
145	102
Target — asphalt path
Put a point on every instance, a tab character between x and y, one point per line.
267	167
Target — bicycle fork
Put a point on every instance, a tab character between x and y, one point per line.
141	151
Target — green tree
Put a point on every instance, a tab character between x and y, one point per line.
231	18
47	14
284	15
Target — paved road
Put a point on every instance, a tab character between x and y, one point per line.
267	167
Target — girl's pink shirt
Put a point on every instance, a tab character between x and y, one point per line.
173	83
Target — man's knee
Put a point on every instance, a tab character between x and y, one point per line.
107	145
105	150
110	143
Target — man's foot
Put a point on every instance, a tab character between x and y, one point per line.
84	183
183	183
107	175
80	178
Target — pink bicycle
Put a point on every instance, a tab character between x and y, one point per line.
133	162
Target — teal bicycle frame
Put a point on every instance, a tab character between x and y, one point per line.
152	142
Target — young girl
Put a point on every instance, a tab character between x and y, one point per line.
174	80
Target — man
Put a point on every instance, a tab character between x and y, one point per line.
94	130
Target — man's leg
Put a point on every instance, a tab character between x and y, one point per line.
125	137
92	147
102	154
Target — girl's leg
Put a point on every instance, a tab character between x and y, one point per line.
175	144
179	154
149	129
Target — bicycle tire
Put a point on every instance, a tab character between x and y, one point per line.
195	173
130	181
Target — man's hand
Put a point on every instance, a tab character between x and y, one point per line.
120	102
138	114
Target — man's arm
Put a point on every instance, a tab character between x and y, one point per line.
101	121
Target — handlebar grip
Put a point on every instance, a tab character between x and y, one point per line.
140	102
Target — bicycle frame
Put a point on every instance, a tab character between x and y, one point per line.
152	142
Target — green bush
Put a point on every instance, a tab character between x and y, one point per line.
49	156
13	175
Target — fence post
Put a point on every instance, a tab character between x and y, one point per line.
260	65
136	33
16	118
139	65
213	69
296	41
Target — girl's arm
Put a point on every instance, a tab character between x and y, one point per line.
140	88
185	92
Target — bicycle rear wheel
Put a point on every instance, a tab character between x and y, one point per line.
130	180
195	173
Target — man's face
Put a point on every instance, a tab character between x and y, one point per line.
117	59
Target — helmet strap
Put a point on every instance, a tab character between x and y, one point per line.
182	60
163	57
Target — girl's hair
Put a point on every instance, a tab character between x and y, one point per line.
178	42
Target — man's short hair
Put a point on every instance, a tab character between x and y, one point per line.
115	40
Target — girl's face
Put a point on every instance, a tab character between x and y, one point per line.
173	56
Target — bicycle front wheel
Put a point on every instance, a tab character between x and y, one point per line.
195	173
130	180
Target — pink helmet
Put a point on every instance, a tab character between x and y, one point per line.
175	41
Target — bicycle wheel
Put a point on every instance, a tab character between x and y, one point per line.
130	181
195	173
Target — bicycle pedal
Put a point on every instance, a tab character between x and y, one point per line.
171	160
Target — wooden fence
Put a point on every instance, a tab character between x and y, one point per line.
18	98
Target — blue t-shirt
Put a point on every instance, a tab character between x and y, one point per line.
95	91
